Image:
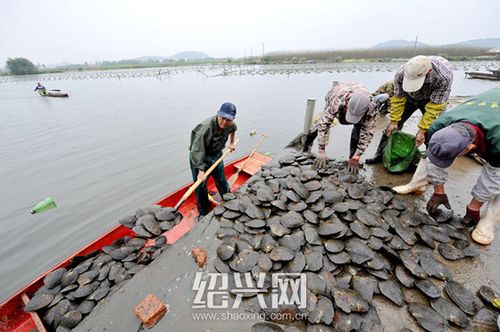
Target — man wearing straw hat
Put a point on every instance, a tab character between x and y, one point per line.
207	142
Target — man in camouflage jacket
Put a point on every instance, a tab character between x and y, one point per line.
350	103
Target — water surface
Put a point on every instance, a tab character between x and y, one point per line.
120	142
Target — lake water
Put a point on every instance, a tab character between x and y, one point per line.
120	141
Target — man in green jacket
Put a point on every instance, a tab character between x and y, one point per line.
208	139
473	126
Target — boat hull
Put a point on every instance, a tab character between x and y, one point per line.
12	314
492	75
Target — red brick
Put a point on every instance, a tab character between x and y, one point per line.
150	310
200	256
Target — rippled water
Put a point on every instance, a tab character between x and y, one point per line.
120	142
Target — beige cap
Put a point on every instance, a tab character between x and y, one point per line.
415	70
357	106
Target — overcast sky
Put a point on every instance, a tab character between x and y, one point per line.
56	31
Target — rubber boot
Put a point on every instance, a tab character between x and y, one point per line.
484	233
311	136
379	154
418	181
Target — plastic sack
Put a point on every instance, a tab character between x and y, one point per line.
400	152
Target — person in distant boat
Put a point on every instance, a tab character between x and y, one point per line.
423	83
388	88
208	139
41	89
473	126
350	104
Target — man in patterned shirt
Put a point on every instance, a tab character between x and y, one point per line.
423	83
350	103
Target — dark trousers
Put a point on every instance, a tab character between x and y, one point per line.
410	107
313	133
353	146
220	182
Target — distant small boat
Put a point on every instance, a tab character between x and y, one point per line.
55	94
494	74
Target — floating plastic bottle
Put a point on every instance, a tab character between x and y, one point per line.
44	205
253	132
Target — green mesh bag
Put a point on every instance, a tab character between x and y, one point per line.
400	152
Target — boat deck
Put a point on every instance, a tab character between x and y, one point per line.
170	277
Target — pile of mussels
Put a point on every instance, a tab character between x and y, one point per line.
72	292
353	240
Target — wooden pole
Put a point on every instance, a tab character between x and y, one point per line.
311	103
34	316
415	48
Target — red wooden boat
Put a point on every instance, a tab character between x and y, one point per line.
12	314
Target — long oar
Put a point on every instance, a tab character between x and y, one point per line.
234	177
200	180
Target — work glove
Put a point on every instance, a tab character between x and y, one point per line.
435	201
471	217
353	165
320	161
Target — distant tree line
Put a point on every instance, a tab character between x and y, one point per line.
452	53
20	66
134	63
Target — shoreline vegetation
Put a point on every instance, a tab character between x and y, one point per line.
288	57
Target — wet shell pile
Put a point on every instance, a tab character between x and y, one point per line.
151	221
352	239
72	292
